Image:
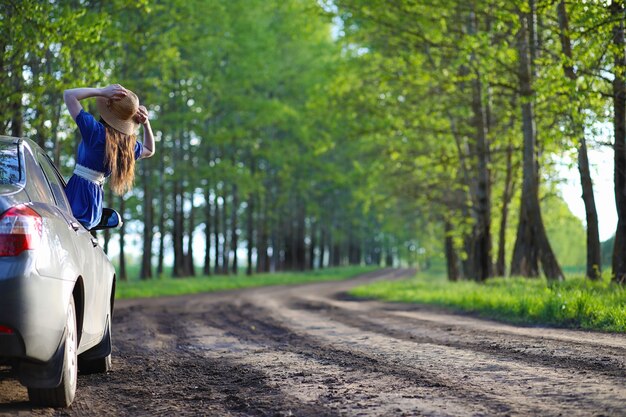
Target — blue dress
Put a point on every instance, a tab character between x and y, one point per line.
85	196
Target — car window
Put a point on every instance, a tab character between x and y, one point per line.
37	187
11	170
54	180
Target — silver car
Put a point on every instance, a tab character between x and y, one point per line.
57	286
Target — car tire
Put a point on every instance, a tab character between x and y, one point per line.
98	365
62	395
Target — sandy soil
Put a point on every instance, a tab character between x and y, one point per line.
312	351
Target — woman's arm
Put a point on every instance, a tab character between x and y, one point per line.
148	137
73	96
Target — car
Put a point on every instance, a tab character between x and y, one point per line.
57	286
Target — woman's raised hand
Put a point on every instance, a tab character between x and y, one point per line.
141	116
114	92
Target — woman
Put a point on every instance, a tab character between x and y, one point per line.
109	147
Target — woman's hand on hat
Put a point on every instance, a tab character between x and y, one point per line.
114	92
141	116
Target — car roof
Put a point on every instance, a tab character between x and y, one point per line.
31	145
9	139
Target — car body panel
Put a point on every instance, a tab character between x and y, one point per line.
32	304
37	285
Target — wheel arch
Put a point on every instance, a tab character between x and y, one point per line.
113	287
79	302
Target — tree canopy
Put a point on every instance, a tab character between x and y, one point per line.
313	133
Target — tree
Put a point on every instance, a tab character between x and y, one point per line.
619	145
531	245
594	263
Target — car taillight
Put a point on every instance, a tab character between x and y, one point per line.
20	230
6	330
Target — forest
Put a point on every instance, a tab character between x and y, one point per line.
301	134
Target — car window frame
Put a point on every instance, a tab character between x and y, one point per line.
41	158
37	188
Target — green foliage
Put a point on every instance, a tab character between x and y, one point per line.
576	302
172	286
354	117
417	64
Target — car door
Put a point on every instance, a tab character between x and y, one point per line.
89	259
61	258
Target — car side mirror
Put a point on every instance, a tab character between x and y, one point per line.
111	219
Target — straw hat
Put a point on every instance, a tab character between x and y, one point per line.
119	113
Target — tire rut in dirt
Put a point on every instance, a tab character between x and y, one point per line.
239	388
262	329
510	349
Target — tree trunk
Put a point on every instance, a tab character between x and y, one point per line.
531	243
250	234
122	273
388	257
320	262
162	210
300	236
54	135
263	262
466	150
190	269
452	259
37	123
594	262
330	246
178	269
206	270
351	247
462	196
336	252
594	253
17	117
619	114
275	259
179	167
331	242
313	234
178	233
507	195
146	256
288	242
234	234
481	234
216	232
225	245
4	81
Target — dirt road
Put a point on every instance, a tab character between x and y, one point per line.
311	351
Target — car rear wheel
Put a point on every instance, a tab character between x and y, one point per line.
62	395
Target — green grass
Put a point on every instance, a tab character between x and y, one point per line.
575	303
179	286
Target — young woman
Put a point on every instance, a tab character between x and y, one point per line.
109	147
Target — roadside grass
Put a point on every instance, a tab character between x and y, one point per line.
574	303
165	286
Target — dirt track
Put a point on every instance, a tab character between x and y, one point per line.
310	351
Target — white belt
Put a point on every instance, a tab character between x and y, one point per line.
89	174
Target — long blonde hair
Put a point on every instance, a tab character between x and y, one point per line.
120	159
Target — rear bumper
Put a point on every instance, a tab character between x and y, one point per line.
34	307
